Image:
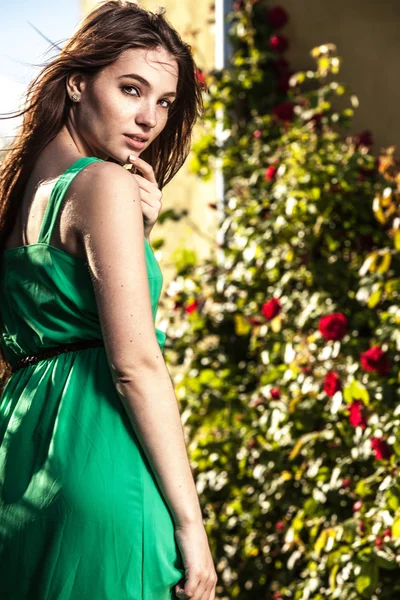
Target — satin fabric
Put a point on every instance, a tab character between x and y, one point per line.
81	514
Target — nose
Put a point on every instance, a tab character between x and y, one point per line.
147	115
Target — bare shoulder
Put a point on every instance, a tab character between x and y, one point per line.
100	186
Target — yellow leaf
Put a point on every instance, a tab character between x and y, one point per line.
386	260
374	298
242	326
396	527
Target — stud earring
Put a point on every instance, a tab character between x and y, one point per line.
75	97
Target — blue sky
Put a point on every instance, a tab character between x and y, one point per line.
21	45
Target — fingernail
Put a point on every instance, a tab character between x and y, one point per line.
132	157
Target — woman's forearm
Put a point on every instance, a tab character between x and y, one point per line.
149	398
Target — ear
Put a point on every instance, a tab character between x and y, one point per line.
75	83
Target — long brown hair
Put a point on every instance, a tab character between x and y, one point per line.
103	35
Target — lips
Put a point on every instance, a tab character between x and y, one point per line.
138	137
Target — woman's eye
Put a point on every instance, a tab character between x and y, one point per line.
132	87
168	103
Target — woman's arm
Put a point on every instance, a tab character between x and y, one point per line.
109	224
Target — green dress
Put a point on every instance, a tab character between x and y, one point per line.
81	514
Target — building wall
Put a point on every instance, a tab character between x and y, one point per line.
366	33
186	190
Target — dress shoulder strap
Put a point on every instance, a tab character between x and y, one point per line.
57	195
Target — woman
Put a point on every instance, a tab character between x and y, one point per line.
97	498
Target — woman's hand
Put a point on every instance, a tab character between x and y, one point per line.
149	193
200	575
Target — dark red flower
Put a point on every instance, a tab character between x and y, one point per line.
332	383
275	393
283	82
381	448
277	17
334	326
270	173
279	525
376	360
357	417
362	526
378	542
279	43
284	111
365	138
255	321
387	533
191	307
316	120
271	309
280	65
200	77
346	483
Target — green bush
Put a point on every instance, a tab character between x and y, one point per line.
284	346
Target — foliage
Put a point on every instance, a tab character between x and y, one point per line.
285	345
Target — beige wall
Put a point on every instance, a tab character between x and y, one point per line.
186	190
367	35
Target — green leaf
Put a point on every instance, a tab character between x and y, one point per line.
367	580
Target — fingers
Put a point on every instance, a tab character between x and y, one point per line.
196	588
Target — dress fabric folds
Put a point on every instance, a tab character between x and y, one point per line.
81	514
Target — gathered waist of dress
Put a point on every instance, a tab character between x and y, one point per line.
32	359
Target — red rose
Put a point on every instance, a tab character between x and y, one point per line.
271	309
279	43
277	17
333	327
270	173
381	448
279	525
376	360
332	383
357	416
387	532
257	133
378	542
346	483
357	505
277	596
283	83
191	307
365	138
275	393
284	111
200	77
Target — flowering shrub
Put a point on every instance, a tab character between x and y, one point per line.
284	346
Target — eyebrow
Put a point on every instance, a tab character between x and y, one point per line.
145	82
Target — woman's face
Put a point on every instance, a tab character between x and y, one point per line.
115	105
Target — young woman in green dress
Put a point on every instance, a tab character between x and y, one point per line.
97	497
